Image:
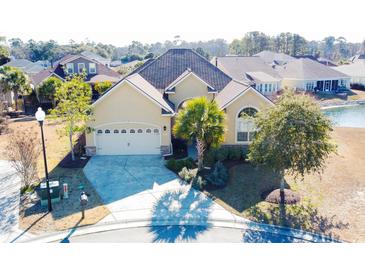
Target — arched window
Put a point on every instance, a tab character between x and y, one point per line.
148	130
123	131
245	125
140	130
132	131
116	131
156	131
107	131
99	131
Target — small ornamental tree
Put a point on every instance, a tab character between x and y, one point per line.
23	151
47	89
101	87
200	120
73	107
293	137
13	79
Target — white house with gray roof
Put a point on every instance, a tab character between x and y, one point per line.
270	72
355	70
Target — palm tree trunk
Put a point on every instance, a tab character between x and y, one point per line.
200	146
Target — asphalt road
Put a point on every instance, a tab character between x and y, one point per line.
181	234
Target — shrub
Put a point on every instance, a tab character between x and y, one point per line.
222	154
209	157
177	165
199	183
187	174
235	153
3	120
219	175
290	197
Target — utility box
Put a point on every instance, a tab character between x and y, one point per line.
54	189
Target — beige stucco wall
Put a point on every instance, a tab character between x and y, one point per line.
190	87
248	99
126	105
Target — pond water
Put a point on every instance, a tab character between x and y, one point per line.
349	116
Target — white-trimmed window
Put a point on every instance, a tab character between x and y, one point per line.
148	131
116	131
92	68
70	68
132	131
156	131
245	125
99	131
107	131
140	130
309	86
266	86
123	131
80	67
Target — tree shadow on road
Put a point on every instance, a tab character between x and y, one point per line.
180	216
304	216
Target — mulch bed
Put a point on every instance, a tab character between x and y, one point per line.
79	162
290	197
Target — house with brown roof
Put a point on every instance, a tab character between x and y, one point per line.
135	116
75	64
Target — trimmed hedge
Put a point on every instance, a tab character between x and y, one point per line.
224	153
177	165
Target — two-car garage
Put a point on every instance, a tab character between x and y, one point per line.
123	139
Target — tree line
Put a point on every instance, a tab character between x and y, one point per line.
333	48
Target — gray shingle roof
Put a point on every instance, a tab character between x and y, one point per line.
238	66
308	69
274	57
25	65
356	69
166	68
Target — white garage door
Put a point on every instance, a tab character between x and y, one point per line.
127	141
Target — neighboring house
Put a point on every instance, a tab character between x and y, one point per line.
28	67
252	70
270	72
115	63
321	60
44	63
356	70
74	64
274	58
96	57
136	115
307	75
357	58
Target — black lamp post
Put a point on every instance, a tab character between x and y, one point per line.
40	115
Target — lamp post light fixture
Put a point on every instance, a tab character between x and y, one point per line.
40	115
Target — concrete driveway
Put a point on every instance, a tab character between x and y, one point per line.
136	188
9	201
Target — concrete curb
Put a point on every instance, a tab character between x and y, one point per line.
238	223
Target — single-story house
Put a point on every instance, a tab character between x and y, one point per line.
135	116
356	70
307	75
274	58
28	67
252	70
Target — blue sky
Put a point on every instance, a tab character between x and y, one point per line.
119	21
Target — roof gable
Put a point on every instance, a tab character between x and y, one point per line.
185	75
165	69
144	88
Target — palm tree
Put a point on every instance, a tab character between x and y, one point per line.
203	121
12	79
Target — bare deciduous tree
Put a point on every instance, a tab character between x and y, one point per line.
23	150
